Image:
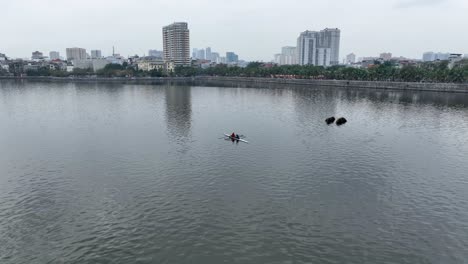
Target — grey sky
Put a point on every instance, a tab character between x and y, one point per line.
255	29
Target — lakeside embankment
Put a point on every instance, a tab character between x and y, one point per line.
252	81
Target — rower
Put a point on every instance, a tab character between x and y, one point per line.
233	135
237	136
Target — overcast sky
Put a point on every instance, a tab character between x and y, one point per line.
255	29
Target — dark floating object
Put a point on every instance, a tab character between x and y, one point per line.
330	120
341	121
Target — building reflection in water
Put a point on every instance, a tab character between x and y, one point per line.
178	111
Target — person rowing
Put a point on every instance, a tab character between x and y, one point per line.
235	137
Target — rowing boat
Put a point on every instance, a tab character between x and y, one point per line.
234	138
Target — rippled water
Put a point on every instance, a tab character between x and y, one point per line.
110	173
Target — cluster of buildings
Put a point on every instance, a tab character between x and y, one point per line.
76	58
441	56
208	57
366	62
318	48
176	52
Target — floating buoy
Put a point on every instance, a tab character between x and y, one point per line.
330	120
341	121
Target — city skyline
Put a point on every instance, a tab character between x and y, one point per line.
370	34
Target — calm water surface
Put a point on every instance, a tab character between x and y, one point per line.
110	173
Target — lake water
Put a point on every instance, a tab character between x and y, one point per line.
113	173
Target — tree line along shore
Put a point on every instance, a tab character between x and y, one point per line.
430	72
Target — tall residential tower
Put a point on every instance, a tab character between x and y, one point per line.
76	54
320	48
176	44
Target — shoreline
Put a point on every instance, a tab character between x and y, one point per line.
261	82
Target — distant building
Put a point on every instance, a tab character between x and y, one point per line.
351	58
96	54
454	58
431	56
277	58
76	54
3	57
150	64
319	47
221	60
386	56
176	42
194	53
428	56
231	57
58	66
201	54
36	55
442	56
369	59
287	56
155	53
94	64
214	56
208	54
54	55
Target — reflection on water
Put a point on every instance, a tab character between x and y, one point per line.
112	173
178	110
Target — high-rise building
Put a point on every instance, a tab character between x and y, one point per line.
96	54
54	55
155	53
431	56
214	56
386	56
277	58
288	56
76	54
231	57
36	55
319	47
208	54
176	42
428	56
194	53
351	58
201	54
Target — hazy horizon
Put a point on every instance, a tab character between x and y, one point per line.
255	29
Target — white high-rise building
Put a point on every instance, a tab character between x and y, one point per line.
96	54
54	55
319	47
76	54
208	55
176	44
201	54
323	56
351	58
214	56
288	56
